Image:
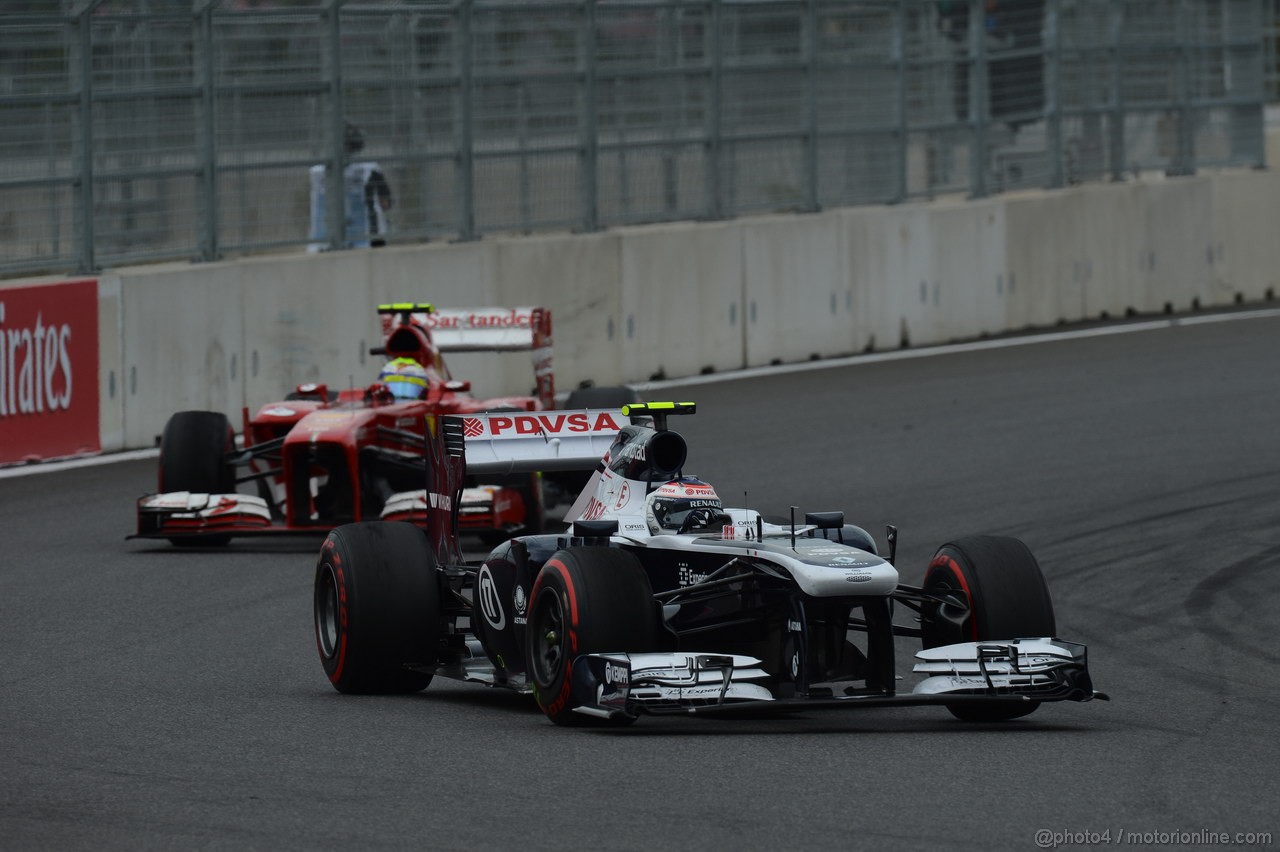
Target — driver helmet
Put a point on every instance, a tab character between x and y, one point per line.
670	505
405	378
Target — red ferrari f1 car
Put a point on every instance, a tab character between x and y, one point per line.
320	458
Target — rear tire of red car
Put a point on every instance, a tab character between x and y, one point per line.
377	608
535	507
193	457
608	396
585	600
1007	598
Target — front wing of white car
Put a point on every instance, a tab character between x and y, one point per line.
686	682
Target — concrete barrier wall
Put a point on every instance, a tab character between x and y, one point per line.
1246	250
577	277
310	321
798	296
967	271
183	348
891	267
681	299
1179	243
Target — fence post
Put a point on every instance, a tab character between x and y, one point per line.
464	134
904	138
208	134
83	54
978	89
811	106
335	189
671	54
1247	32
1116	130
715	204
1268	26
1184	155
590	135
1270	79
1053	93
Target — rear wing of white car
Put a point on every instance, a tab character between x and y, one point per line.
481	330
501	443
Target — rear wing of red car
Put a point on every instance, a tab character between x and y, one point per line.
480	330
501	443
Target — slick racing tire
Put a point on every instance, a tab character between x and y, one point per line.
377	608
193	457
585	600
1007	598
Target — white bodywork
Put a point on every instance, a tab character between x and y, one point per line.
508	442
564	440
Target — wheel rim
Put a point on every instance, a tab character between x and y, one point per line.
328	626
951	620
548	638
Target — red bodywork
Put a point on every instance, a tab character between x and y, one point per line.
320	459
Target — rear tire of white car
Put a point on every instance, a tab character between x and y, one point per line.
585	600
1007	598
377	608
193	457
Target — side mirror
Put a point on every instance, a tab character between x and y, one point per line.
379	394
312	390
457	385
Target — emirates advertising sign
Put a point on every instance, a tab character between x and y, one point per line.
48	371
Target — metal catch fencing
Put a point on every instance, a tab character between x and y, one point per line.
135	130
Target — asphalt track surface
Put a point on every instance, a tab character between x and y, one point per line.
158	699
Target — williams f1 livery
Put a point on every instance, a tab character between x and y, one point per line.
659	600
322	457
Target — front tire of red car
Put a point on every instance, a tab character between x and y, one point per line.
585	600
377	608
999	593
193	457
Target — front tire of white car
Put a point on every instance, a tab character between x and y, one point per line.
586	600
1000	582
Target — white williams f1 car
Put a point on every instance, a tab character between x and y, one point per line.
659	600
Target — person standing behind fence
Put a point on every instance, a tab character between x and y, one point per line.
368	198
1015	84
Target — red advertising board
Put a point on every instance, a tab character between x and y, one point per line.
49	371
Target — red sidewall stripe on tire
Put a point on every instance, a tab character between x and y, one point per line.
568	586
335	562
554	708
950	565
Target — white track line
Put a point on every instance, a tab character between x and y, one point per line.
780	369
955	348
72	464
